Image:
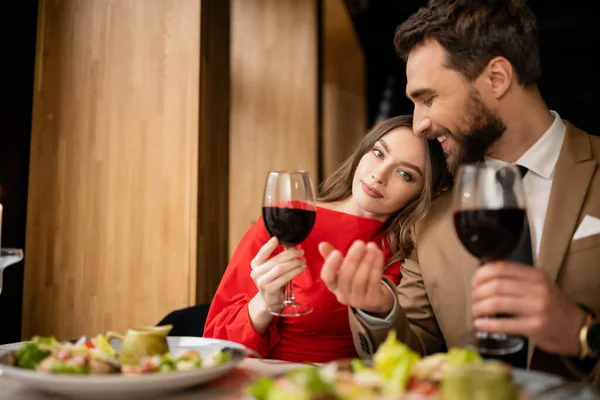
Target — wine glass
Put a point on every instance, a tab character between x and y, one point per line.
289	213
8	257
489	218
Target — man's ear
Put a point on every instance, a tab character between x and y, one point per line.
498	76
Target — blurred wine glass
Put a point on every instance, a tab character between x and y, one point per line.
489	218
8	257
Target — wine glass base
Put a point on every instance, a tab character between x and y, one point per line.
293	310
492	344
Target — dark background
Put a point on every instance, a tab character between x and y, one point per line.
568	36
18	24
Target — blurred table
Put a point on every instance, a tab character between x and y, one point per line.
232	386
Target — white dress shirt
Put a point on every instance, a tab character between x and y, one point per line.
540	160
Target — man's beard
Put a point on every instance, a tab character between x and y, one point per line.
484	128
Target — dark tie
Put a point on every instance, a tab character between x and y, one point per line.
521	254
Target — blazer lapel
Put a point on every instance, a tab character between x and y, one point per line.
572	175
574	170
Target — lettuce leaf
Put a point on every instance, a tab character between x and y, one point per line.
61	367
260	389
103	346
394	360
30	355
310	379
458	356
48	343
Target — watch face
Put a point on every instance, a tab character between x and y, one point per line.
593	338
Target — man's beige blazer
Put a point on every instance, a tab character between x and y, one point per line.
434	294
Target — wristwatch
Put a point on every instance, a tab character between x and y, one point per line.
589	338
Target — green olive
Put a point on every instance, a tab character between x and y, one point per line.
142	342
490	380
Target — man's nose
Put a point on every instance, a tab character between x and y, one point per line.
420	126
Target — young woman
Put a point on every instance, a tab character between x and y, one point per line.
377	195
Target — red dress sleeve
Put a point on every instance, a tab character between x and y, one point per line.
228	317
393	272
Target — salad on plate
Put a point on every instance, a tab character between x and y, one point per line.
96	356
396	372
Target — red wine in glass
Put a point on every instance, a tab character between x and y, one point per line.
290	225
489	218
490	234
289	213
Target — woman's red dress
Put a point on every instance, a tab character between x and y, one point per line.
321	336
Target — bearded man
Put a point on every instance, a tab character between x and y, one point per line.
472	73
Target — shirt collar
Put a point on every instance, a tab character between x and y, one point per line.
541	158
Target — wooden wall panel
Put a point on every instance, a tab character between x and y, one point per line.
274	92
344	107
213	193
112	213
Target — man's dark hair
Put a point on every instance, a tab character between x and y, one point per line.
473	32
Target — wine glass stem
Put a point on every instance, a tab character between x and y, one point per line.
288	291
288	297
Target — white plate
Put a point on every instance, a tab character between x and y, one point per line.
123	386
533	383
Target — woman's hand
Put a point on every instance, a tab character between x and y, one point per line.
355	279
270	276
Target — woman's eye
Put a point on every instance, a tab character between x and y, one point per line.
428	102
377	153
406	175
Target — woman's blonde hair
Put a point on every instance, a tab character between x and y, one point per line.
399	227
